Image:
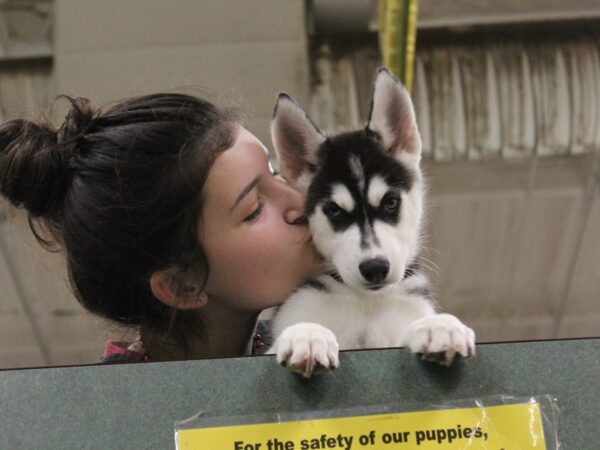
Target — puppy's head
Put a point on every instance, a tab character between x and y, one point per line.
364	189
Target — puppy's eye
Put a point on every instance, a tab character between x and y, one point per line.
390	203
333	211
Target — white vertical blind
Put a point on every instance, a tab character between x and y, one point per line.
484	100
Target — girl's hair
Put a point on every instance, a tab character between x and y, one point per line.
120	191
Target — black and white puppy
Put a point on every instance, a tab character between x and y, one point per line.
365	196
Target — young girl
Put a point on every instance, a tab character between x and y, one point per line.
170	218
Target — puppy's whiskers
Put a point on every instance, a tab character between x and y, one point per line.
428	264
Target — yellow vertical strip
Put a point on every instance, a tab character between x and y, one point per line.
411	41
397	37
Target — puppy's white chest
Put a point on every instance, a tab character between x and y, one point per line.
376	321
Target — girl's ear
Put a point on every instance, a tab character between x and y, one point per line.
296	141
167	288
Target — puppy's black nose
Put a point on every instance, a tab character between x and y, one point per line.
374	270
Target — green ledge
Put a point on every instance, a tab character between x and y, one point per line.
135	406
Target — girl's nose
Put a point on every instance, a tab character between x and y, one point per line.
295	204
295	217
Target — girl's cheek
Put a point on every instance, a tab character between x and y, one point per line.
266	222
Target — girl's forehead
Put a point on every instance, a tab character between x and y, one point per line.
245	139
235	167
246	149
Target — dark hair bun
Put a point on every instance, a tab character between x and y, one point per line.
78	121
34	159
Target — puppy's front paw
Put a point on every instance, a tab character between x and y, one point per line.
439	338
307	348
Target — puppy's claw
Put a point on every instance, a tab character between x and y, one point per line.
307	349
440	338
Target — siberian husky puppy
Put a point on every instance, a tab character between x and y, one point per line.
364	194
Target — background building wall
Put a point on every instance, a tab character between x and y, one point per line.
239	53
512	241
232	50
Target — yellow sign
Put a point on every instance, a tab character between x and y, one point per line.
517	426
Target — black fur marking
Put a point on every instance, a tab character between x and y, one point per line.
421	292
311	167
372	134
336	276
364	243
411	270
315	284
333	168
366	228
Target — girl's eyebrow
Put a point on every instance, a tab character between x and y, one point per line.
246	191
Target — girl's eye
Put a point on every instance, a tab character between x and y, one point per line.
254	214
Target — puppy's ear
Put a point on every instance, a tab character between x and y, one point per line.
296	141
392	117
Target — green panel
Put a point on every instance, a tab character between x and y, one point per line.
135	406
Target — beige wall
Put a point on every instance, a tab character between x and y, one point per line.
247	50
501	239
502	234
237	50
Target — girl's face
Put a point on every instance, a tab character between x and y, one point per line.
253	233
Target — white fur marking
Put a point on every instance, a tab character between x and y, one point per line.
357	171
377	189
342	197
